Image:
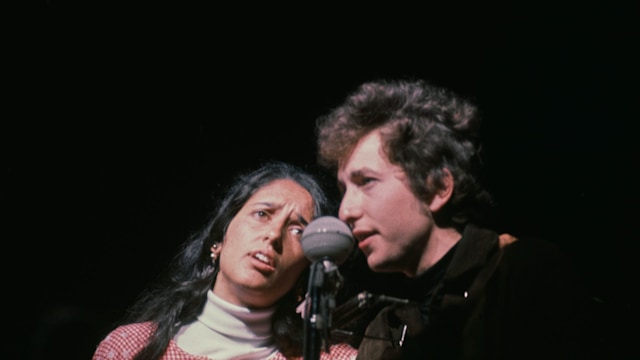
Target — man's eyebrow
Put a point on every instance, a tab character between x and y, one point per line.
357	173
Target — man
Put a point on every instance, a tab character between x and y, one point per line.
407	158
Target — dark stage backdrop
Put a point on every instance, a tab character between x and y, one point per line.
122	122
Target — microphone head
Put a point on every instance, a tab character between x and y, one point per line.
327	237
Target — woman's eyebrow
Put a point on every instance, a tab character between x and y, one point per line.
304	221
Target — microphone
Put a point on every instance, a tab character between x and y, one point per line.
327	242
329	238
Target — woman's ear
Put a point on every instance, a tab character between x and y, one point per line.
215	250
443	193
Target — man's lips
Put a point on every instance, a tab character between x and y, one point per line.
362	237
363	245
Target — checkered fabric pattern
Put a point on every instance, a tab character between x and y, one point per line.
125	341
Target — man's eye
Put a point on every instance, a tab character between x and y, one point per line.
297	231
365	180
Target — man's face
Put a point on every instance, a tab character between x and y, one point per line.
390	223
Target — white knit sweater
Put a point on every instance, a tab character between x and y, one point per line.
228	331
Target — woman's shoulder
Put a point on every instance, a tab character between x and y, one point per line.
135	330
340	351
130	334
124	341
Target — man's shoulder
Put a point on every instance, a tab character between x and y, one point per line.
536	248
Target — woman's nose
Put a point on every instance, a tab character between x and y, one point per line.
272	234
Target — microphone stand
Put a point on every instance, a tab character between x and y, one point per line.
324	282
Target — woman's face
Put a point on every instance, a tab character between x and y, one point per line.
261	257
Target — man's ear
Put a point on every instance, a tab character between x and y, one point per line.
443	194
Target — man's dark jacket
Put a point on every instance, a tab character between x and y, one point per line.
497	300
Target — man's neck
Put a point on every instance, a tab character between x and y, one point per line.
441	240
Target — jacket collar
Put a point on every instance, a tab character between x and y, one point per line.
474	250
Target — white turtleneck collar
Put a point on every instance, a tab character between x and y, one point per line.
227	331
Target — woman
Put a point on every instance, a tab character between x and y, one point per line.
233	289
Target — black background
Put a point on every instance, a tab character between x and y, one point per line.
123	119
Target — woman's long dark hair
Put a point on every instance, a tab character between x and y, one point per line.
179	298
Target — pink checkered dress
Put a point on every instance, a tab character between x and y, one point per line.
127	340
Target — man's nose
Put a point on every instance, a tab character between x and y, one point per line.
350	209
